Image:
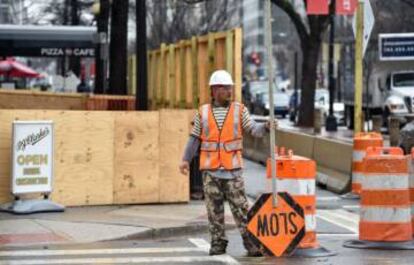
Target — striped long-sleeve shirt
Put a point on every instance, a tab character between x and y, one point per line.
220	113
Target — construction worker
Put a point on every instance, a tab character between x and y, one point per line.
218	134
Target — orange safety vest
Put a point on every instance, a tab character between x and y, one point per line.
221	148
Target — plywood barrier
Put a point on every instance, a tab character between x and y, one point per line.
108	157
26	99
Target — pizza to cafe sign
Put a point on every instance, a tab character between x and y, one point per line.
276	230
32	168
77	52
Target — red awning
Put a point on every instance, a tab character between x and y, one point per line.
12	68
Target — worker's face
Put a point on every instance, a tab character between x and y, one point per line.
222	94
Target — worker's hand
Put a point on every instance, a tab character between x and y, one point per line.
276	124
184	167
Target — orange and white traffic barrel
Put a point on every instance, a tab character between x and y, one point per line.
411	168
385	214
361	142
296	176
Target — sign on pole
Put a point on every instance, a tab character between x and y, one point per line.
346	7
396	47
317	7
32	169
276	230
369	21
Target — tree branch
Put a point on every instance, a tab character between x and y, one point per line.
294	16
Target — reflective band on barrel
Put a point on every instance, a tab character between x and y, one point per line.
388	215
297	186
235	161
310	222
358	155
204	118
236	120
378	182
357	177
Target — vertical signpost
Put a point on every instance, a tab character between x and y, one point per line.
275	222
362	25
358	67
271	104
32	167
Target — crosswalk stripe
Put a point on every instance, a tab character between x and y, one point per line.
202	244
49	252
185	259
57	256
341	218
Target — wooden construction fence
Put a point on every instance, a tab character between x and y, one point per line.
103	157
26	99
178	73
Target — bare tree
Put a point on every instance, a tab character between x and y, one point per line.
172	20
310	30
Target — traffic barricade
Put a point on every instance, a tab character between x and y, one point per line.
362	141
296	176
385	210
411	169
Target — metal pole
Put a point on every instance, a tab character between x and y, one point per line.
358	67
331	124
296	85
268	17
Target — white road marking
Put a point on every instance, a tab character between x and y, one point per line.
49	256
50	252
337	235
342	218
330	198
145	260
202	244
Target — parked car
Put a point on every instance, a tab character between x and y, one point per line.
322	102
281	103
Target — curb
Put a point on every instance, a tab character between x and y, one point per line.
168	232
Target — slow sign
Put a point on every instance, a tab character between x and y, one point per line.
276	230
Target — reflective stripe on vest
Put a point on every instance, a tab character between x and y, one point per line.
221	148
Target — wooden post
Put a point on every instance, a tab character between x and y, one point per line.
171	77
162	75
194	52
183	87
237	63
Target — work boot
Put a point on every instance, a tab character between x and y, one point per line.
252	249
218	248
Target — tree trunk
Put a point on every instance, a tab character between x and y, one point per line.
309	73
118	48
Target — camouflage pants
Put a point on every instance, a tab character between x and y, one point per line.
216	191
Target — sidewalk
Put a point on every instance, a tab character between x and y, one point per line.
101	223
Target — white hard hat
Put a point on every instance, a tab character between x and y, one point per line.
221	77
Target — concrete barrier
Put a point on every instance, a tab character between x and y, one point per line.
334	158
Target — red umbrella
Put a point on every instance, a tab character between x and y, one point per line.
12	68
